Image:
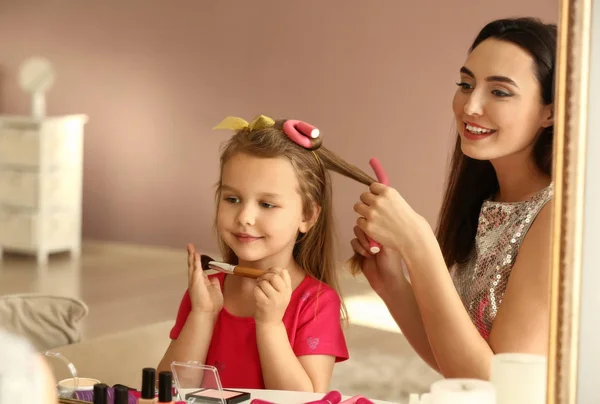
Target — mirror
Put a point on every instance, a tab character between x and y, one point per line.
36	76
377	80
573	358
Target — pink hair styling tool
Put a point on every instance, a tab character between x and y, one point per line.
333	397
382	177
300	132
356	400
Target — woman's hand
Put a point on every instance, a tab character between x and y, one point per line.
205	294
273	291
388	218
383	270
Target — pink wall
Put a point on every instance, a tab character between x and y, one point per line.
154	76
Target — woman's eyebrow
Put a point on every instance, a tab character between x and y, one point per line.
501	79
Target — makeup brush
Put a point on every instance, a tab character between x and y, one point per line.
208	263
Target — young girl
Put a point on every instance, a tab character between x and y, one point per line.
283	330
483	286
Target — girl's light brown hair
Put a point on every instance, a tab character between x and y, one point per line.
314	251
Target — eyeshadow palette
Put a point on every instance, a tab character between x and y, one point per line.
214	396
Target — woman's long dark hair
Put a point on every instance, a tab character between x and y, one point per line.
472	181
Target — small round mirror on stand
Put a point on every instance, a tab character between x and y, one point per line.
36	76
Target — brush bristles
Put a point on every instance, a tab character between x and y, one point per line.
204	260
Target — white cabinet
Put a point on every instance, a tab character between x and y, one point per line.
41	171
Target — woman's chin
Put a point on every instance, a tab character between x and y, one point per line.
477	150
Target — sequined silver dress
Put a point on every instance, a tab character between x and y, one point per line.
481	281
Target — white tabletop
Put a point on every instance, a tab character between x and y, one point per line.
290	397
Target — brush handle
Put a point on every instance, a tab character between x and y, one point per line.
382	177
248	272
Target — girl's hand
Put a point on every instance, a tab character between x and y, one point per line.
273	291
388	218
205	294
383	270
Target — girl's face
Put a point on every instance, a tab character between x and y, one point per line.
260	209
498	105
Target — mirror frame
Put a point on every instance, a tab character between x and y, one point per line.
570	128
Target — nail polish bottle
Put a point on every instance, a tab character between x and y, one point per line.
165	387
148	386
100	393
121	395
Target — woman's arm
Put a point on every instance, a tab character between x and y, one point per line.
523	320
404	309
386	276
521	323
282	370
458	348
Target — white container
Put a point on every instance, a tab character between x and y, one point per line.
462	391
519	378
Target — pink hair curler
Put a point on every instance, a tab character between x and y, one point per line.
352	400
363	400
382	177
333	397
300	132
259	401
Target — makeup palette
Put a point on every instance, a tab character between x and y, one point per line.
215	396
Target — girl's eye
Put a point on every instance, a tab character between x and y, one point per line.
231	199
464	86
267	205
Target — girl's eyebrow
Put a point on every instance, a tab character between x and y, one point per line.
229	188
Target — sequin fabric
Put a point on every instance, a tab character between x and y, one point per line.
481	281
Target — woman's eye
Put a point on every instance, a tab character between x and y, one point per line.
500	93
464	86
231	199
267	205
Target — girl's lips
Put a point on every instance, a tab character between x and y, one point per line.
246	238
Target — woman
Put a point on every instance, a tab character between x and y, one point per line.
482	286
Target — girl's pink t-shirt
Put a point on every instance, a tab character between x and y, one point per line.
312	321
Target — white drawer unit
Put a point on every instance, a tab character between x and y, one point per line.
41	170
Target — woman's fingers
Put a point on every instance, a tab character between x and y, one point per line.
359	249
378	188
361	209
362	237
367	198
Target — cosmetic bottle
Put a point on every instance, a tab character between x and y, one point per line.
100	393
165	387
121	395
148	386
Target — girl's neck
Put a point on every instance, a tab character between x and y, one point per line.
282	261
519	178
243	284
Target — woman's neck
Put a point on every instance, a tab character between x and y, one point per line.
519	178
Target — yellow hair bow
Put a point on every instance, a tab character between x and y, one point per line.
235	123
